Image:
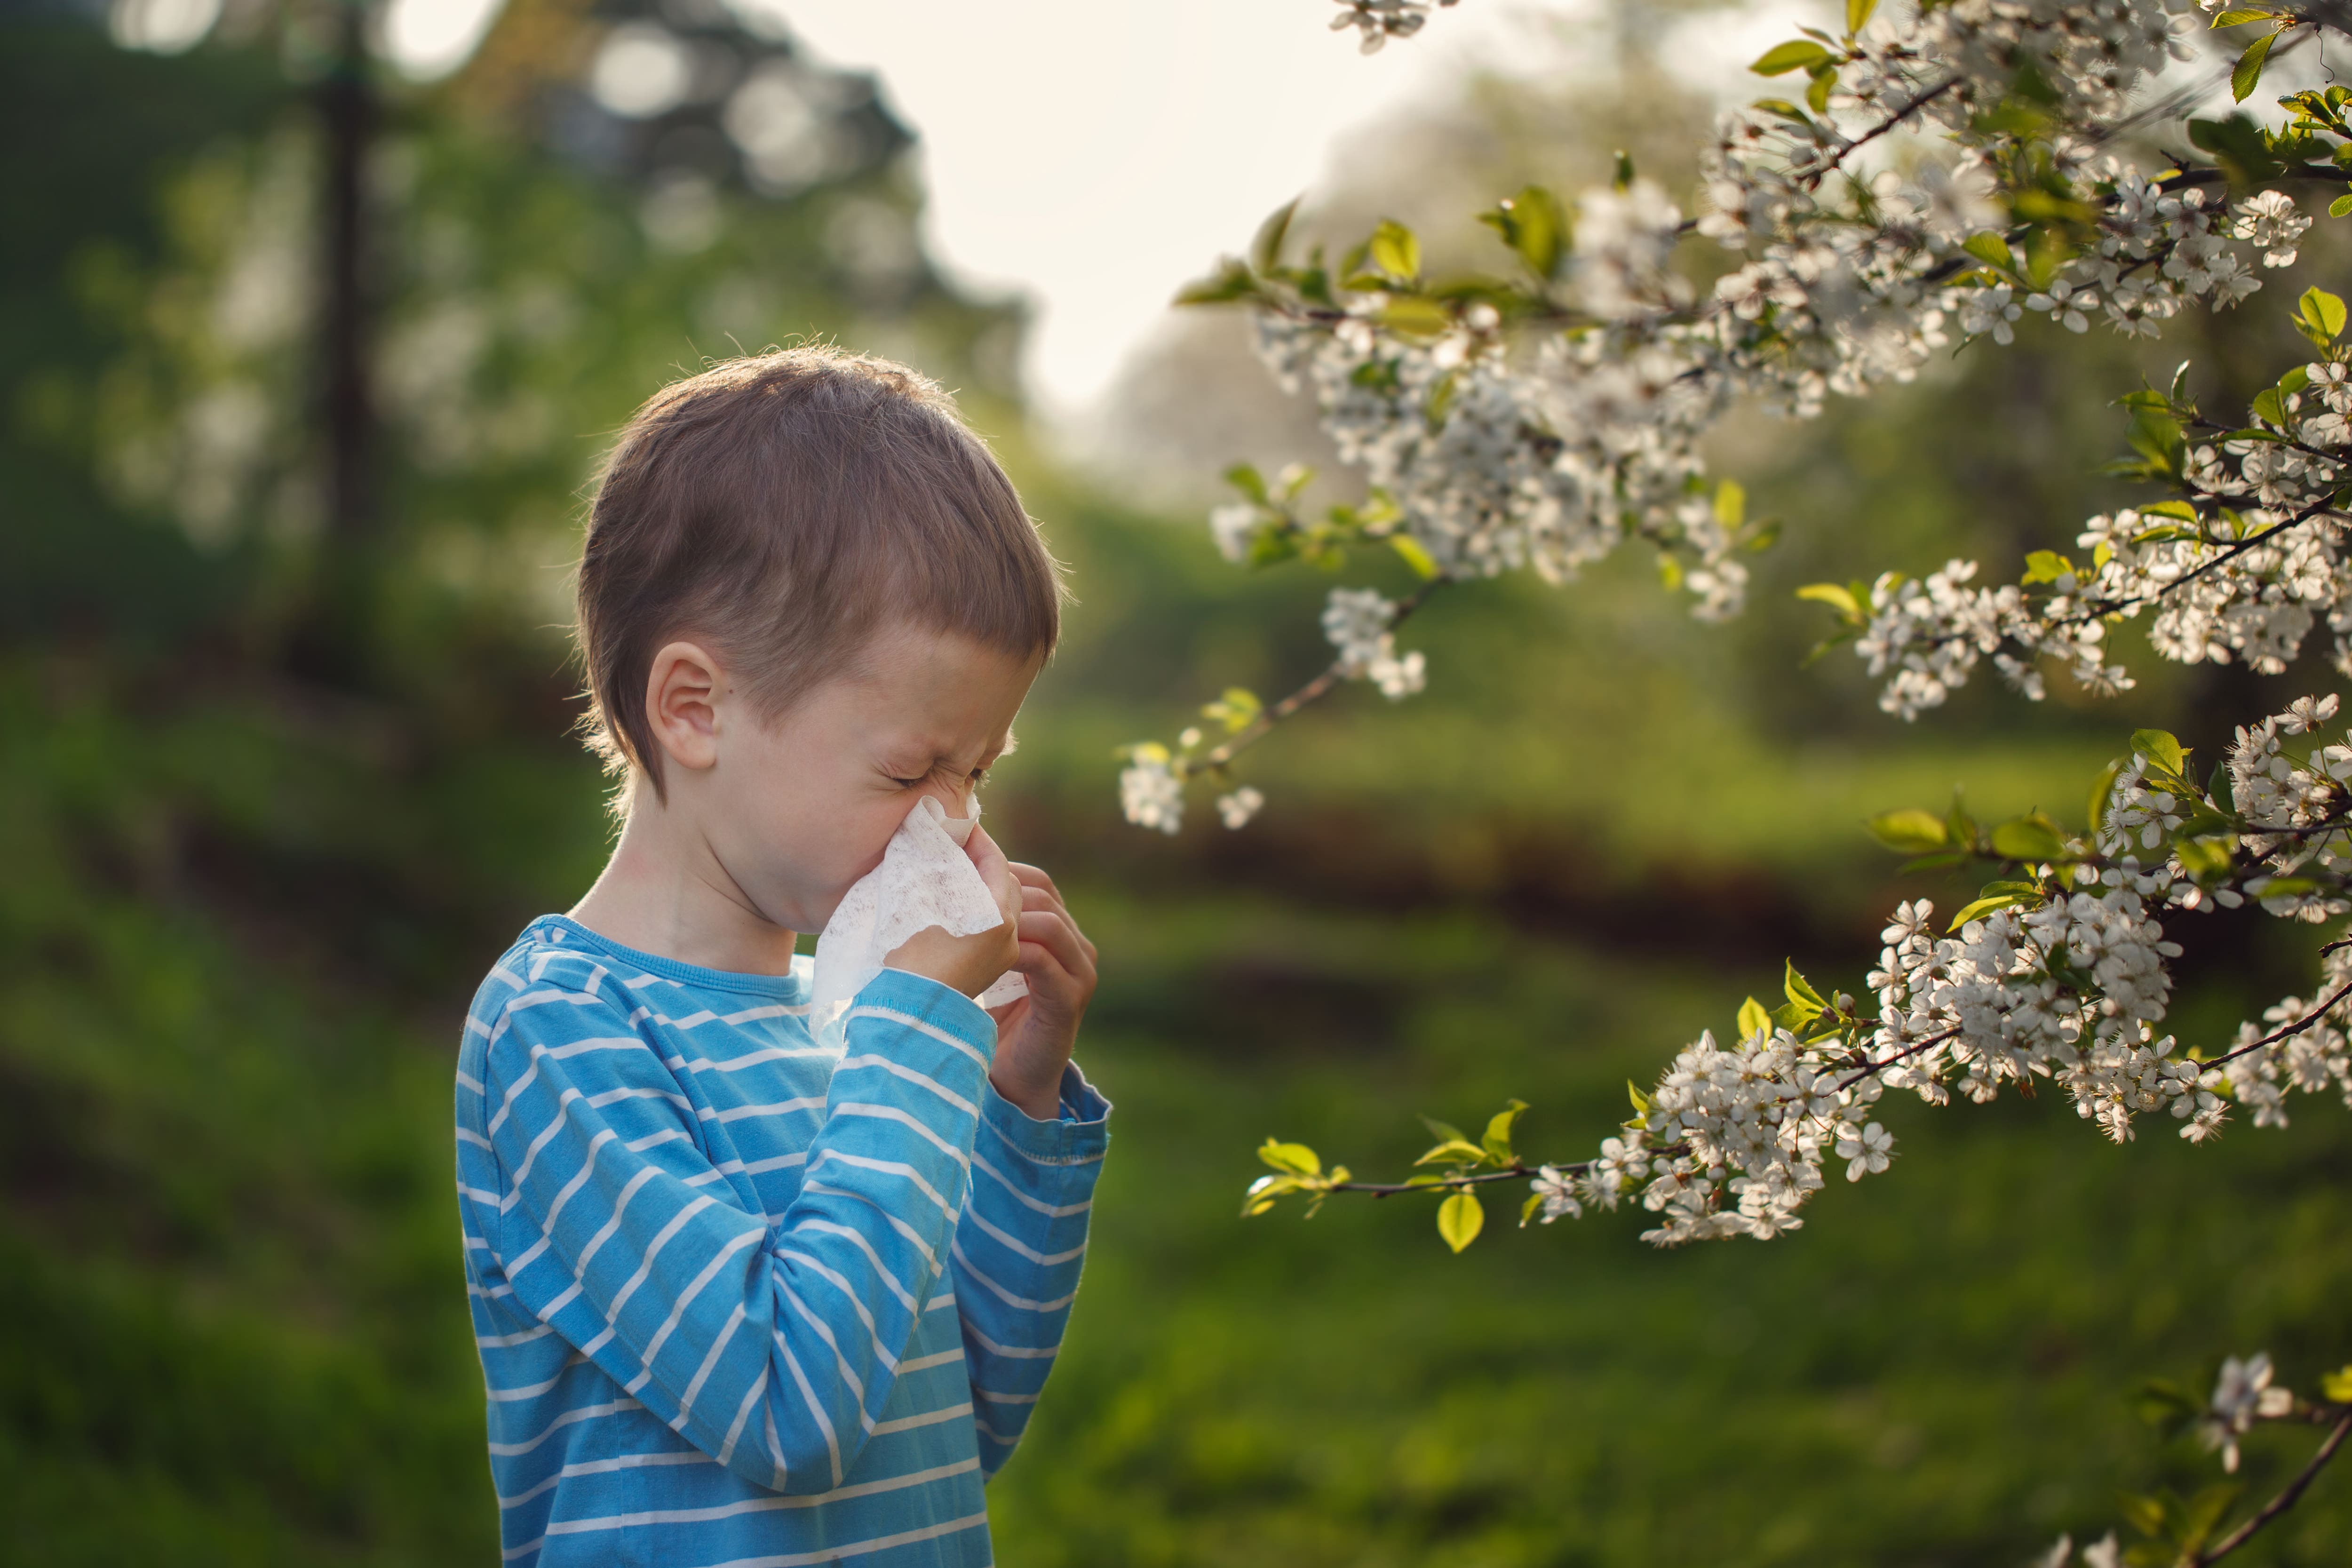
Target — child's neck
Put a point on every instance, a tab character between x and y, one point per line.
665	893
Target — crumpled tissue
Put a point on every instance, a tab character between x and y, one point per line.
925	880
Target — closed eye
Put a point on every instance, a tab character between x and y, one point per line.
977	777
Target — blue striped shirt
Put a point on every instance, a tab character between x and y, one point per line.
744	1295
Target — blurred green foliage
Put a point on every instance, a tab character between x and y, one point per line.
248	893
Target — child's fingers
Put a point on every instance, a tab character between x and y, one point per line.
1035	898
985	855
996	871
1059	940
1034	876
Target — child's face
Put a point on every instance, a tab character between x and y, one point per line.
798	808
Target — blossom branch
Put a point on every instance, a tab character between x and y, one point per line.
2310	1020
1225	750
2291	1494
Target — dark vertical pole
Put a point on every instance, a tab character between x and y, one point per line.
348	106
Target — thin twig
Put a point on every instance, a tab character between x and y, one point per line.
2320	508
1882	127
1391	1189
2278	1505
1902	1055
1225	750
2310	1020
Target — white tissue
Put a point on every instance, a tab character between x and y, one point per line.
925	880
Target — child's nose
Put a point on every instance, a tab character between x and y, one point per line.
949	795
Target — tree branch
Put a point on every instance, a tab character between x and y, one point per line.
2286	1499
2310	1020
1225	750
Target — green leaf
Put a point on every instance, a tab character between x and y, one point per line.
1396	251
1263	1192
2032	837
2239	16
1910	831
1237	710
1441	400
2206	860
1670	573
1836	596
2238	145
1753	1019
2204	1511
1824	83
1297	1159
2179	509
1730	503
1799	990
1640	1101
2161	750
1989	248
1529	1209
2342	205
2248	74
1797	54
1942	860
2319	316
1444	1129
1622	176
1857	15
1459	1220
2046	566
1414	317
1232	281
2337	1386
1244	478
1406	545
1498	1139
2145	1514
1265	249
1533	224
1983	907
2221	789
1453	1151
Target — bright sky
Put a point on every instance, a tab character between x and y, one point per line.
1095	155
1098	153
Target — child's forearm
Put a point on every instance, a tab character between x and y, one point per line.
1019	1251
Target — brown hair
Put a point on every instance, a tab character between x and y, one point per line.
787	506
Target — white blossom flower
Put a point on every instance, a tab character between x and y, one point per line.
2270	221
1558	1192
1151	795
1237	808
2242	1395
1865	1150
1235	526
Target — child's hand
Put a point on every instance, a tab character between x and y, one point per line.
969	963
1035	1034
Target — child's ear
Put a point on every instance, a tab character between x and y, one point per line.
682	692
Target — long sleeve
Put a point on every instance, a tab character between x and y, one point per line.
1019	1249
770	1344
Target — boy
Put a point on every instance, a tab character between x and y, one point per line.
746	1296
